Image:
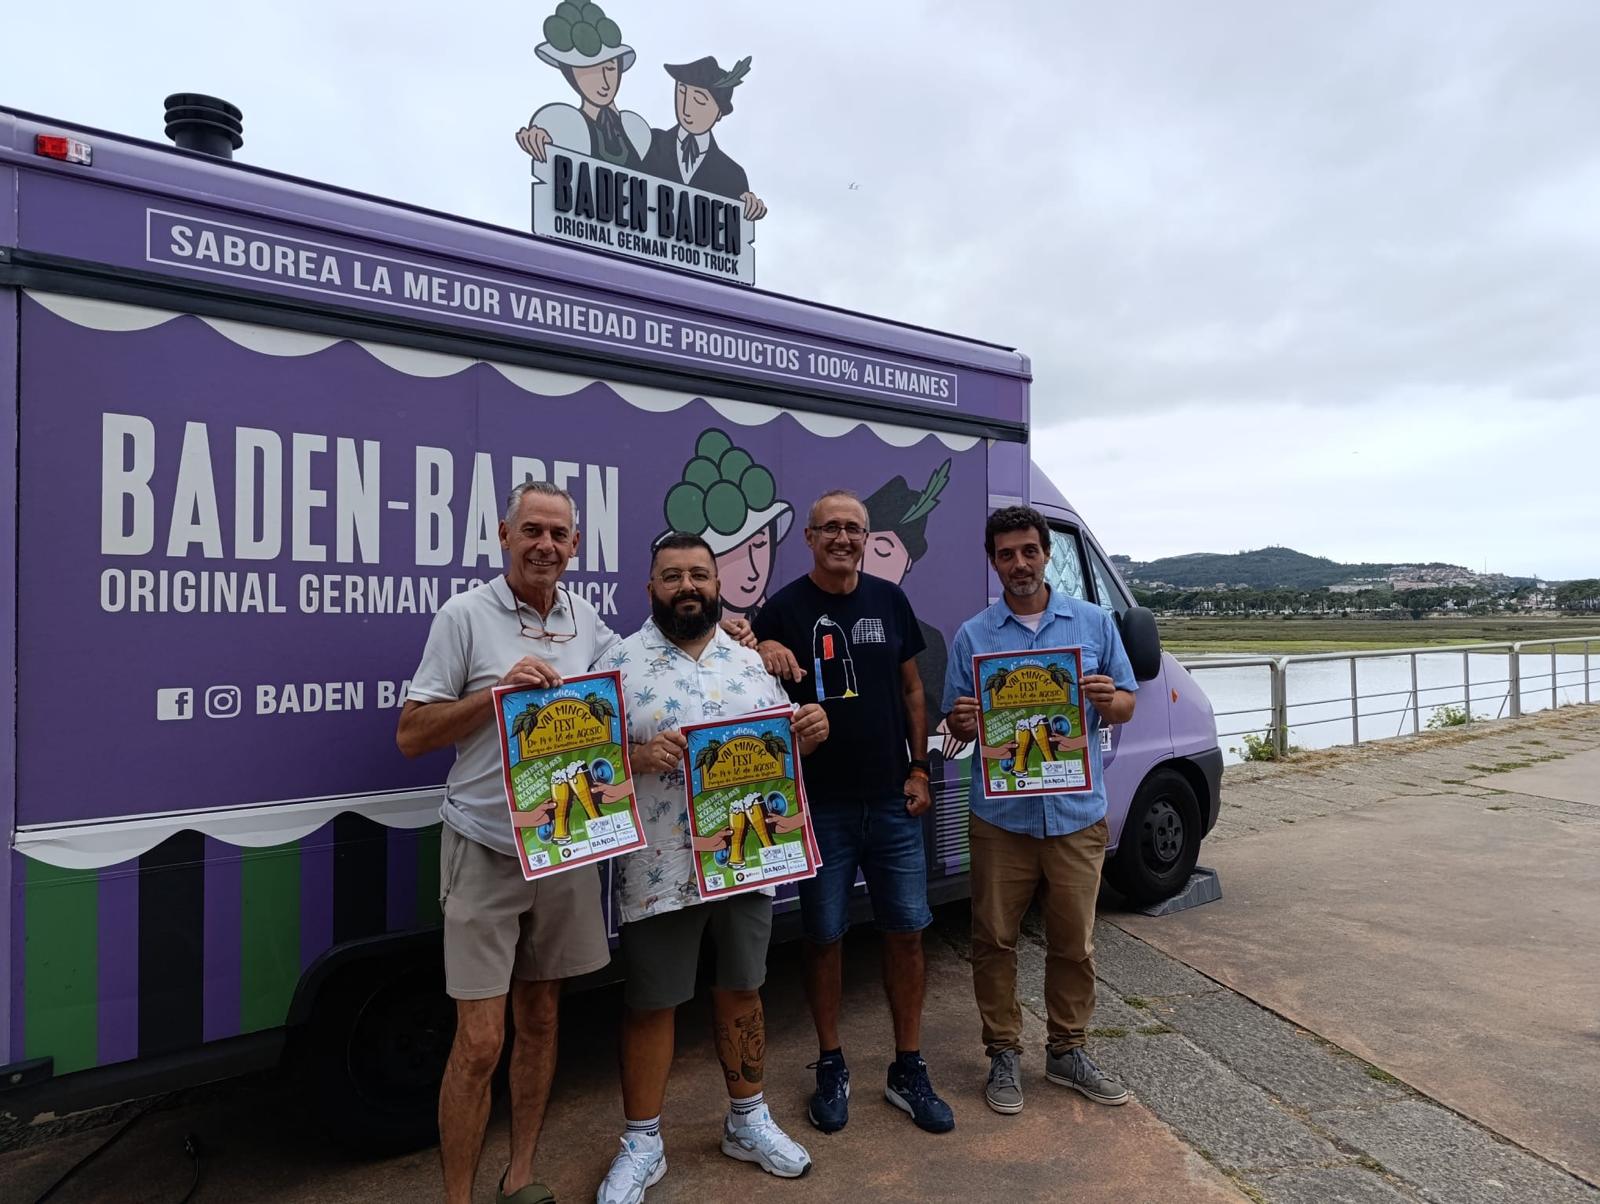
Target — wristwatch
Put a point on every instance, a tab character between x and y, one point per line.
921	765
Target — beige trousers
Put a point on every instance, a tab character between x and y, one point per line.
1007	869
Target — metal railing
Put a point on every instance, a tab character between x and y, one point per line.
1284	714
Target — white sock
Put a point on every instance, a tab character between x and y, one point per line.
742	1111
644	1134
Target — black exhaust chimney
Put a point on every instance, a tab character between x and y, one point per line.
205	124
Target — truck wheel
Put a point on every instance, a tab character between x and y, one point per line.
1160	840
375	1053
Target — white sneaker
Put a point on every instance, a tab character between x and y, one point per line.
637	1167
760	1140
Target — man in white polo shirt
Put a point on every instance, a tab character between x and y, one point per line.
501	933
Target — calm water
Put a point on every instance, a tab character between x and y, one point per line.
1319	694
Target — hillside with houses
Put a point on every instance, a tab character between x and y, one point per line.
1283	580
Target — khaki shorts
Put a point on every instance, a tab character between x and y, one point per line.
499	926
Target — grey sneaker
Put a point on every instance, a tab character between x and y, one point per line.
1003	1091
1075	1069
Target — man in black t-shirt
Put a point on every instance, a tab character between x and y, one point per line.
850	642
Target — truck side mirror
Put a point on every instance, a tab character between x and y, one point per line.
1141	641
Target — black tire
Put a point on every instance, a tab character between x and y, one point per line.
1160	840
374	1054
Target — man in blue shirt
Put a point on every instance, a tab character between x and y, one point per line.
1059	839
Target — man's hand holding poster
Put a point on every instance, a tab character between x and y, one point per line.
566	771
1031	730
748	819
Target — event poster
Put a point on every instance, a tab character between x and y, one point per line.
1032	727
565	763
748	819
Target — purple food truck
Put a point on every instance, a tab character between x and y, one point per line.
257	430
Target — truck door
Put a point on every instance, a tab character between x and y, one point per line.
1128	750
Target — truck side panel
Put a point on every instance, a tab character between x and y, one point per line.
10	906
196	940
186	855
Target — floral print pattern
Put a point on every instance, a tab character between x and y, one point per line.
662	689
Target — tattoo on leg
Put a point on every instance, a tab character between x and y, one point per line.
742	1046
724	1044
752	1035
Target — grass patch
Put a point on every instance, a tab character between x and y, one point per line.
1499	807
1154	1030
1383	1076
1111	1031
1249	1190
1137	1001
1372	1164
1262	747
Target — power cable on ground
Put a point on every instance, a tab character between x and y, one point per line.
191	1147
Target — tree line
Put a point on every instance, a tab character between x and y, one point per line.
1581	596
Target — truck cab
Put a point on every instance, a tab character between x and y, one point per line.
1163	768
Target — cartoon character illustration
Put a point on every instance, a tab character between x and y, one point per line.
730	501
833	668
688	153
898	518
587	47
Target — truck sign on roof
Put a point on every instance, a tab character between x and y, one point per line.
605	179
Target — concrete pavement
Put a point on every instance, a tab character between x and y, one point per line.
1232	1100
256	1148
1574	779
1438	925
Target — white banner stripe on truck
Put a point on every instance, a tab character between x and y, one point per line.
90	845
271	340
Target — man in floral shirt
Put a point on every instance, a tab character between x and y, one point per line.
681	668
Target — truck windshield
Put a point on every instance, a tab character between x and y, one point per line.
1105	585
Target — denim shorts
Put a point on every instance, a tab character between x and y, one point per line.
887	845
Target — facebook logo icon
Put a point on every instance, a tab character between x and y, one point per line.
175	703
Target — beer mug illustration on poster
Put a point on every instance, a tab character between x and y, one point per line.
1032	735
749	823
565	765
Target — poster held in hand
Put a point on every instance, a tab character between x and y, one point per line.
1031	732
748	816
564	758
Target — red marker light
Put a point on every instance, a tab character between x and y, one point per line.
68	150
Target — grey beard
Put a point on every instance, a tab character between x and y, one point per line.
685	627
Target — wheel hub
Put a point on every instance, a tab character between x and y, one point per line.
1163	833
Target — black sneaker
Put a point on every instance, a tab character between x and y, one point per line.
909	1090
830	1103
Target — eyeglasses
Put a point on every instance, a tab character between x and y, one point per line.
538	631
854	532
672	578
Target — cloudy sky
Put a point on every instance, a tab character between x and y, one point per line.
1323	274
